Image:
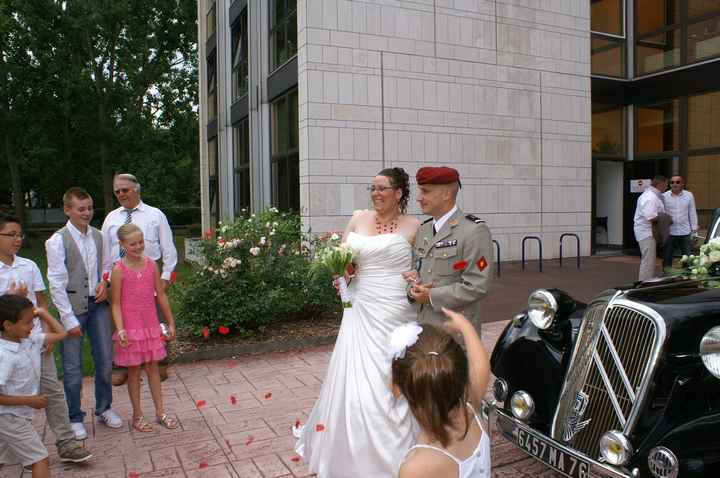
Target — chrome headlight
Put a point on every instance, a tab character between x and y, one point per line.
663	463
710	351
542	308
615	448
522	405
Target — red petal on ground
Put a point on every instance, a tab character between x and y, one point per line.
297	423
295	459
249	440
232	364
223	330
132	474
203	465
319	427
268	396
482	263
205	332
460	265
200	403
233	399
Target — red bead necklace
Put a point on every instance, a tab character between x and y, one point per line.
386	228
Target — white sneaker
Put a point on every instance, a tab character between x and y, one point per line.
110	418
79	430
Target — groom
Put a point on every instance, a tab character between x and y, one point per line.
452	252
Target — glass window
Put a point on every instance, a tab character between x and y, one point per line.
703	177
704	39
704	121
608	130
658	127
213	173
658	52
212	88
608	56
656	15
240	56
285	170
283	31
241	140
700	8
607	16
210	21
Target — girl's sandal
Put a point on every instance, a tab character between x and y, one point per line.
166	421
142	425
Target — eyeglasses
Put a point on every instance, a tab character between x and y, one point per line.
675	182
380	189
123	190
14	235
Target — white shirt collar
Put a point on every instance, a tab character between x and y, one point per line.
9	345
77	232
3	264
444	218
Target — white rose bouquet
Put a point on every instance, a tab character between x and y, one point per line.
336	260
707	261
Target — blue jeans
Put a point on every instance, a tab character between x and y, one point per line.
95	324
680	242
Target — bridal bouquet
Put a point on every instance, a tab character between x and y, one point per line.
336	260
708	261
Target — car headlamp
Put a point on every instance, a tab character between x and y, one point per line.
615	448
522	405
710	351
542	307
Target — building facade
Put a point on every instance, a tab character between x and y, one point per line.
303	102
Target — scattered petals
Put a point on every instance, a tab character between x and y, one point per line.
233	399
232	364
319	427
295	459
249	440
297	423
482	263
132	474
223	330
268	396
203	465
200	403
460	265
205	332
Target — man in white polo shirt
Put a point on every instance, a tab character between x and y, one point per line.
649	207
680	205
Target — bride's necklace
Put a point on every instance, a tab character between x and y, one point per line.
386	228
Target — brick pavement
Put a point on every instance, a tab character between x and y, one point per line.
236	414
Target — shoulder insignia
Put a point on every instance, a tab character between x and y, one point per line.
473	218
427	220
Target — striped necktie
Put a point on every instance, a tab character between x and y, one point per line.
128	220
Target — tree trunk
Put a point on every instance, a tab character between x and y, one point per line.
15	179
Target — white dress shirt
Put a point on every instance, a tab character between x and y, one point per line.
58	273
649	205
20	365
26	272
681	208
156	229
438	224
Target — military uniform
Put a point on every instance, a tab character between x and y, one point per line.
458	261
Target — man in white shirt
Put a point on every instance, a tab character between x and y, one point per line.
680	205
649	207
74	255
159	244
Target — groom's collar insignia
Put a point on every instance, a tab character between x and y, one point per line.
441	244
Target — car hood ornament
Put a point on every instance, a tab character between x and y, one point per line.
574	422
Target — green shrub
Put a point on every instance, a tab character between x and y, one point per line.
257	270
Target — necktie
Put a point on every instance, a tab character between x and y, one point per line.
434	229
128	220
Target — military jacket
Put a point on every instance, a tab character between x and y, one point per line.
458	261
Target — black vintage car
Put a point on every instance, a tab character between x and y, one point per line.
627	385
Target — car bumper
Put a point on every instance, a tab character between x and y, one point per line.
576	465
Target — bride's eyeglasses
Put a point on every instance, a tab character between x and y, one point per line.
372	188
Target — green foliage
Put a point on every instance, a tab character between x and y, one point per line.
257	270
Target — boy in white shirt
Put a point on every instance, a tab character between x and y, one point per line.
22	277
21	350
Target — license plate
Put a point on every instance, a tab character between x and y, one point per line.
552	456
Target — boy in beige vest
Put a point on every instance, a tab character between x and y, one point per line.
79	292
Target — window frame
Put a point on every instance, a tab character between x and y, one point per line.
620	40
291	156
240	55
284	24
242	169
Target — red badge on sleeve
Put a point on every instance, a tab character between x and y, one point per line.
460	265
482	263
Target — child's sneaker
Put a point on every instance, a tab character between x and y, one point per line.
75	454
110	418
79	430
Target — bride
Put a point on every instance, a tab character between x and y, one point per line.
357	428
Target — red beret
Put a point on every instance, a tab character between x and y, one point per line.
437	175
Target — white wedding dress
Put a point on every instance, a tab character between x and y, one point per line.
357	428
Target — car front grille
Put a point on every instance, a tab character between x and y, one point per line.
613	361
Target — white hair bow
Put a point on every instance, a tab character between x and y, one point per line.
403	337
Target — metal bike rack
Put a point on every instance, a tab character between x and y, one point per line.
577	241
540	259
497	257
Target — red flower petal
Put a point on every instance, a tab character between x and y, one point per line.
319	427
351	269
295	459
268	396
232	364
132	474
203	465
233	399
205	332
482	263
200	403
249	440
297	423
209	233
106	276
223	330
173	277
460	265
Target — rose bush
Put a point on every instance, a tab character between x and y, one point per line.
257	270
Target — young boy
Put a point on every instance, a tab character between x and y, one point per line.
21	352
74	255
21	276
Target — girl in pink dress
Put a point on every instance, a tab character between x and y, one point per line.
139	340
